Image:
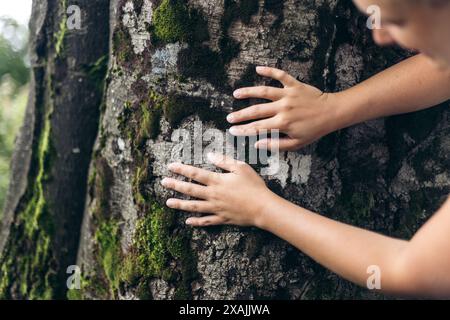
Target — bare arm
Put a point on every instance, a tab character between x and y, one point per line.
305	114
420	267
411	85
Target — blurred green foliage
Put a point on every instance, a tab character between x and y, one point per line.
14	75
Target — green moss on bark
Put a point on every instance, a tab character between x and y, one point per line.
170	20
107	238
173	21
160	249
155	246
141	121
33	272
62	30
122	46
96	72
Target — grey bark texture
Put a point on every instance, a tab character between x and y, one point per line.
40	231
173	63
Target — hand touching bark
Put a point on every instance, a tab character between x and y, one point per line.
233	198
300	111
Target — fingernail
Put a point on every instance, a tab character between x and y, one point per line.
260	68
170	202
189	222
172	166
230	118
237	93
234	131
164	181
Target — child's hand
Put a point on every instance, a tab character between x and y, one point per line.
300	111
233	198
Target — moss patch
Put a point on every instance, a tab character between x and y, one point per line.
169	21
160	248
34	230
122	46
141	120
107	237
62	30
173	21
96	72
155	249
156	244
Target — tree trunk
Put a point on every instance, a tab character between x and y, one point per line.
45	205
172	64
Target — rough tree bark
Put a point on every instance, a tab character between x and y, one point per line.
171	63
44	209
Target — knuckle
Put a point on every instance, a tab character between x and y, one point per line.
292	92
212	194
264	91
194	175
188	189
215	207
213	178
216	194
257	109
283	121
206	222
289	107
284	105
245	129
194	206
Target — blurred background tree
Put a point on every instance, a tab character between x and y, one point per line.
14	75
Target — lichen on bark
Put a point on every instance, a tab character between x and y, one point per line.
173	64
40	231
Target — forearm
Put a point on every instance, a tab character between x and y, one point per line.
346	250
412	85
